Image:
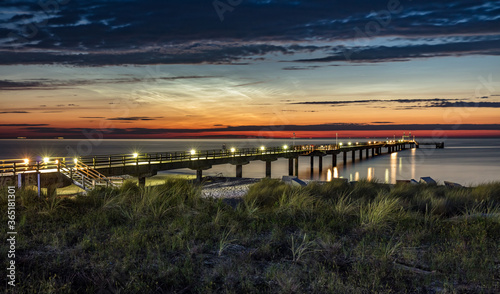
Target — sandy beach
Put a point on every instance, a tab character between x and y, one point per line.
213	187
227	187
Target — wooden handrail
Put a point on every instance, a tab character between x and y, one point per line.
88	165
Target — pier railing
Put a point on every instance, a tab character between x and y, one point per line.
55	164
52	164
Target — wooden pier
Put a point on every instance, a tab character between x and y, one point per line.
90	171
438	145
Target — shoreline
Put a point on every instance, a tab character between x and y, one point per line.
222	187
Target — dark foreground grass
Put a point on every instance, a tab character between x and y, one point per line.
323	238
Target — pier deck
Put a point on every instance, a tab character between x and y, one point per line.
89	171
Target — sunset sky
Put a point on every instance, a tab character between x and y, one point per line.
192	68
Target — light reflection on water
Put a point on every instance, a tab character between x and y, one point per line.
468	166
412	162
369	176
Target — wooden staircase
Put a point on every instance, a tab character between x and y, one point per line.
85	177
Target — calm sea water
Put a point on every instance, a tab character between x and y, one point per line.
465	161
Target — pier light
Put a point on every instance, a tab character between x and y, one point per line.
46	160
135	155
57	161
349	143
285	147
75	160
193	152
233	150
26	161
357	143
262	148
340	144
369	142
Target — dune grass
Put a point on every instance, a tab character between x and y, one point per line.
322	238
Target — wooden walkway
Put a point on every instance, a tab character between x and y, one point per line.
90	171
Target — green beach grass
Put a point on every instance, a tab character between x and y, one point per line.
322	238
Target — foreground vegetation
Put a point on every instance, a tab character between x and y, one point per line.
323	238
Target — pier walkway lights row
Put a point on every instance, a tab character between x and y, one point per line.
89	171
46	160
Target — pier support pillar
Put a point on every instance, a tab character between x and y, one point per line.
142	181
199	175
367	150
39	185
239	171
312	166
345	158
296	166
360	154
353	156
268	168
290	166
320	158
334	160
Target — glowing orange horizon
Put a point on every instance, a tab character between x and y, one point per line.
438	134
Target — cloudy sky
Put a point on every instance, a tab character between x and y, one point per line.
205	68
